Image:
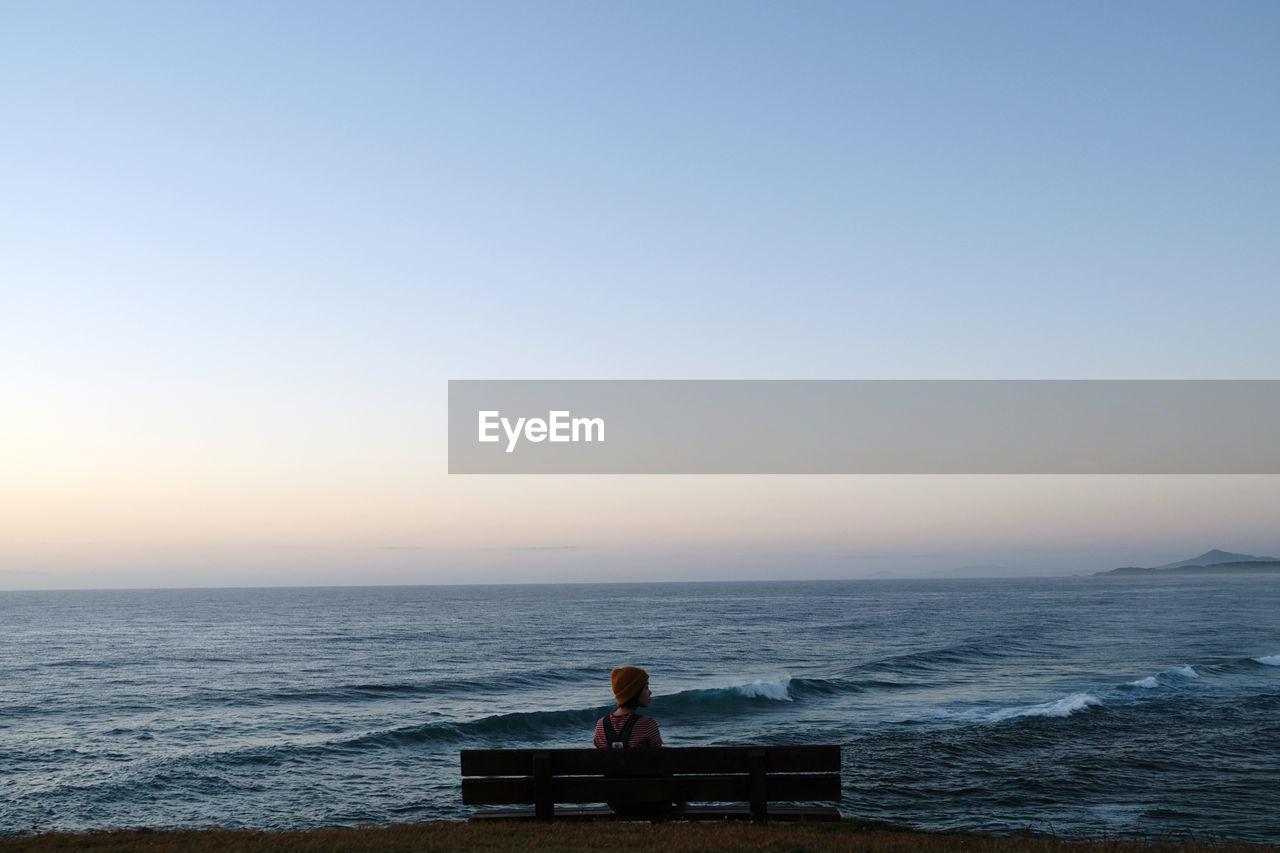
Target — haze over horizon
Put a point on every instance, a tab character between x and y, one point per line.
245	249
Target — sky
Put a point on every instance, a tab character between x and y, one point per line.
244	247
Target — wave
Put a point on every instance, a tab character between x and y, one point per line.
1057	708
775	690
1182	673
805	687
562	727
933	659
785	689
744	698
1063	707
518	729
729	700
495	730
1269	660
502	684
948	659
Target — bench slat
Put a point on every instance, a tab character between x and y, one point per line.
777	787
581	813
694	759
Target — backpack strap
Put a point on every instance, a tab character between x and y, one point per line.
623	738
625	735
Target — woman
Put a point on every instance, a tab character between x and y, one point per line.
625	728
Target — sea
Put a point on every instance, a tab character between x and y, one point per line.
1079	706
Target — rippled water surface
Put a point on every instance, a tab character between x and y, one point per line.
1117	706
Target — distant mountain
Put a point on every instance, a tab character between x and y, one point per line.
1210	562
1211	558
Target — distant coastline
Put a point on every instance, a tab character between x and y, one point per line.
1246	567
1213	562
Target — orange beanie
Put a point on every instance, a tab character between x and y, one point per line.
628	681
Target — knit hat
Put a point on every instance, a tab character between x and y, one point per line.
627	682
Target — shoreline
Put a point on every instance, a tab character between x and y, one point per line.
849	833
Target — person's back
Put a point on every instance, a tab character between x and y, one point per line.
627	729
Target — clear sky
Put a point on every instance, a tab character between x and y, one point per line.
243	246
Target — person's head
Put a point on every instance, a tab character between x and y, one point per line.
630	687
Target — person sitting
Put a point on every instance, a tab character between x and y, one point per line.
627	729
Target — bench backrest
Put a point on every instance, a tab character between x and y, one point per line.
757	775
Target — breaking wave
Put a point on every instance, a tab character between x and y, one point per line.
726	700
1182	673
775	690
1064	707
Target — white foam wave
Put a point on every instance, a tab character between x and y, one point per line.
1064	707
1153	681
775	690
1269	660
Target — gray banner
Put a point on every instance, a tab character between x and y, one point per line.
864	427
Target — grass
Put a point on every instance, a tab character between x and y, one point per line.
847	835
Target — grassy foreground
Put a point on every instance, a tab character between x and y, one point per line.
447	836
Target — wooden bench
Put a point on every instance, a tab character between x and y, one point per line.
741	781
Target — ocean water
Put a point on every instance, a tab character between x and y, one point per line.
1079	706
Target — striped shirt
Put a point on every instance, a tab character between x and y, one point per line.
643	736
